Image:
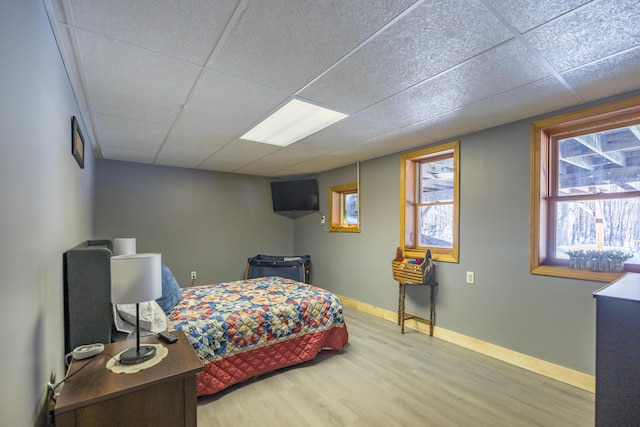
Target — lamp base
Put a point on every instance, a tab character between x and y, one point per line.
137	355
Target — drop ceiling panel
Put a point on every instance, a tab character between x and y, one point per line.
119	132
186	141
435	37
187	31
409	72
127	81
243	151
186	160
393	142
226	105
513	105
222	166
501	69
599	29
318	164
617	71
344	133
285	157
522	102
253	169
525	15
284	45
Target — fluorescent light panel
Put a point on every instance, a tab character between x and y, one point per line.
292	122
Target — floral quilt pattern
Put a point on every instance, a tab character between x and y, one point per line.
226	319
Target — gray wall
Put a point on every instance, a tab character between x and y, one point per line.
46	206
548	318
205	221
357	265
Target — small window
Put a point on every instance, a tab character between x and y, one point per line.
344	206
586	191
429	202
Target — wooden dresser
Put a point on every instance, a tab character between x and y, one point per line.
618	352
161	395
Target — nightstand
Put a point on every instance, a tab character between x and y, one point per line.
161	395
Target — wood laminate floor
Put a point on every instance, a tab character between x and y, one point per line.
383	378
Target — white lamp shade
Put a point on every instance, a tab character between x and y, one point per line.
124	246
136	278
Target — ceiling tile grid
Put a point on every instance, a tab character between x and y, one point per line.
182	141
481	77
527	15
316	165
227	105
524	101
410	52
597	30
392	142
128	81
188	149
286	44
178	86
348	131
186	32
121	132
614	74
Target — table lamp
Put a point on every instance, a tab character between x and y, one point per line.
134	279
124	246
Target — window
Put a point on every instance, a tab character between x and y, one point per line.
344	207
429	203
585	191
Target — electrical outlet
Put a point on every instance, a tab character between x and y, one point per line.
322	220
193	275
471	277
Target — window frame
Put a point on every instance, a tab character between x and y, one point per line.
612	115
409	170
336	202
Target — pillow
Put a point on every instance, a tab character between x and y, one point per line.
152	318
171	293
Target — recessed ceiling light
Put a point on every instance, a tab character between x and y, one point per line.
292	122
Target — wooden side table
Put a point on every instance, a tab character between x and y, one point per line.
402	315
161	395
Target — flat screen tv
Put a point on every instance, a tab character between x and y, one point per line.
295	198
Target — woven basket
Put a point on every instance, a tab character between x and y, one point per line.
406	272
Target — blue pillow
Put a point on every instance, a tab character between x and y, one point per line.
171	293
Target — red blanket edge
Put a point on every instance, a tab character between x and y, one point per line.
226	372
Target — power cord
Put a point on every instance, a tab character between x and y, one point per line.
68	359
323	222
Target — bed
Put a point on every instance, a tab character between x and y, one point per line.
239	329
245	328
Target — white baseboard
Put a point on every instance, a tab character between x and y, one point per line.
539	366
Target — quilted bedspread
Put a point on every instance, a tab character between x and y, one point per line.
249	327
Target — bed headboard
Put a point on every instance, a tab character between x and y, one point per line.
88	316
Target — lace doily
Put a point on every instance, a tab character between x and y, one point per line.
115	366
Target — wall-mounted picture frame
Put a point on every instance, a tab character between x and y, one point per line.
77	142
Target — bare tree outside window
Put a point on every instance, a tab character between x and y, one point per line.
430	201
585	192
596	194
435	207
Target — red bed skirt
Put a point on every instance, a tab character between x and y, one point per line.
226	372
